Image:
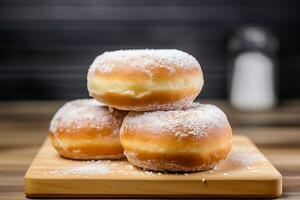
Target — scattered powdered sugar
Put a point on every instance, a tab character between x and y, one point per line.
144	59
195	120
165	166
101	167
179	104
245	157
87	168
149	172
83	112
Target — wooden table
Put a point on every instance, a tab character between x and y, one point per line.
23	127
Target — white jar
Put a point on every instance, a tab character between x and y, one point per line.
252	69
253	86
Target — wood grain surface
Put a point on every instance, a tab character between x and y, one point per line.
23	128
246	173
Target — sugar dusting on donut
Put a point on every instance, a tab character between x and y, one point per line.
145	59
160	165
180	104
195	120
77	113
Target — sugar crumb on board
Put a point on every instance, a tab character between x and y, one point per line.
87	168
248	160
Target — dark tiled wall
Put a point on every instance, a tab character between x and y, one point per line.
46	46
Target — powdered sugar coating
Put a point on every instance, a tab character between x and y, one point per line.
87	168
194	120
162	166
180	104
144	59
246	158
86	112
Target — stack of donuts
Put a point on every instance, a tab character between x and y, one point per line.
143	109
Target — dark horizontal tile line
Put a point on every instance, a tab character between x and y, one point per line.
32	84
73	47
128	6
134	23
31	96
7	75
113	33
142	13
45	89
5	30
60	24
63	94
192	39
59	76
69	49
91	33
73	52
123	36
142	33
84	46
142	3
163	39
191	34
79	30
43	68
31	87
79	23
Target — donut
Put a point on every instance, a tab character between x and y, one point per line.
193	139
145	80
86	129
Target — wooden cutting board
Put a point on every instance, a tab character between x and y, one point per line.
246	173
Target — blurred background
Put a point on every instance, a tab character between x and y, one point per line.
248	50
46	46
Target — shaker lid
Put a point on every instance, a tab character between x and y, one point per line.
253	38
